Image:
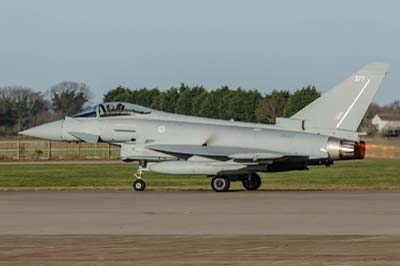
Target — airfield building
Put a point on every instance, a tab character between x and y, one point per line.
387	124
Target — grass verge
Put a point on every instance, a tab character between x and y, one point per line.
367	174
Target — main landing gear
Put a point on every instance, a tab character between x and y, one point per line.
252	182
222	183
139	184
219	183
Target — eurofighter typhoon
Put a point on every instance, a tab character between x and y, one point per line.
228	151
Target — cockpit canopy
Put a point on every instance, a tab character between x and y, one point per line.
113	109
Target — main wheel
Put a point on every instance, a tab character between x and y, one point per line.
139	185
220	184
252	182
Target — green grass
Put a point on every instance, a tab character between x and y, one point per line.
367	174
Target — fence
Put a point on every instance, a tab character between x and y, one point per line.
50	150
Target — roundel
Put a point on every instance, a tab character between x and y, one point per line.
161	129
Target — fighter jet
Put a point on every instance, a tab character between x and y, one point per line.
228	151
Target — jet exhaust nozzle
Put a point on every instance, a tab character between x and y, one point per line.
342	149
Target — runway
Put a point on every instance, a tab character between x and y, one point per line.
85	250
183	212
200	228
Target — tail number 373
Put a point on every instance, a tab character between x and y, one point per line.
358	78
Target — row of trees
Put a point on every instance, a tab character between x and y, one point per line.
221	103
21	107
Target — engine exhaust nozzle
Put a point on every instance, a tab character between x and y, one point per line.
342	149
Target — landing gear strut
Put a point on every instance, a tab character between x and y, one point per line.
139	184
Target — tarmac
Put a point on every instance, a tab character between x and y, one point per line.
200	228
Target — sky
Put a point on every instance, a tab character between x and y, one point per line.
254	44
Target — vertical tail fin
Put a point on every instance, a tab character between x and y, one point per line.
344	106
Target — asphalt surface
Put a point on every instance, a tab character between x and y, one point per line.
200	228
182	212
85	250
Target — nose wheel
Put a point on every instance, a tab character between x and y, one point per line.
139	184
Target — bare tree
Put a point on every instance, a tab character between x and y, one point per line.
19	106
69	97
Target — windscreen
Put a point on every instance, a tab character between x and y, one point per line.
118	109
87	112
113	109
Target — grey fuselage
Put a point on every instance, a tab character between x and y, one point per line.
141	130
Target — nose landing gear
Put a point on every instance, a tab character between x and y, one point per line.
139	184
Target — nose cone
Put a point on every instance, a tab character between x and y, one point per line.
50	131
